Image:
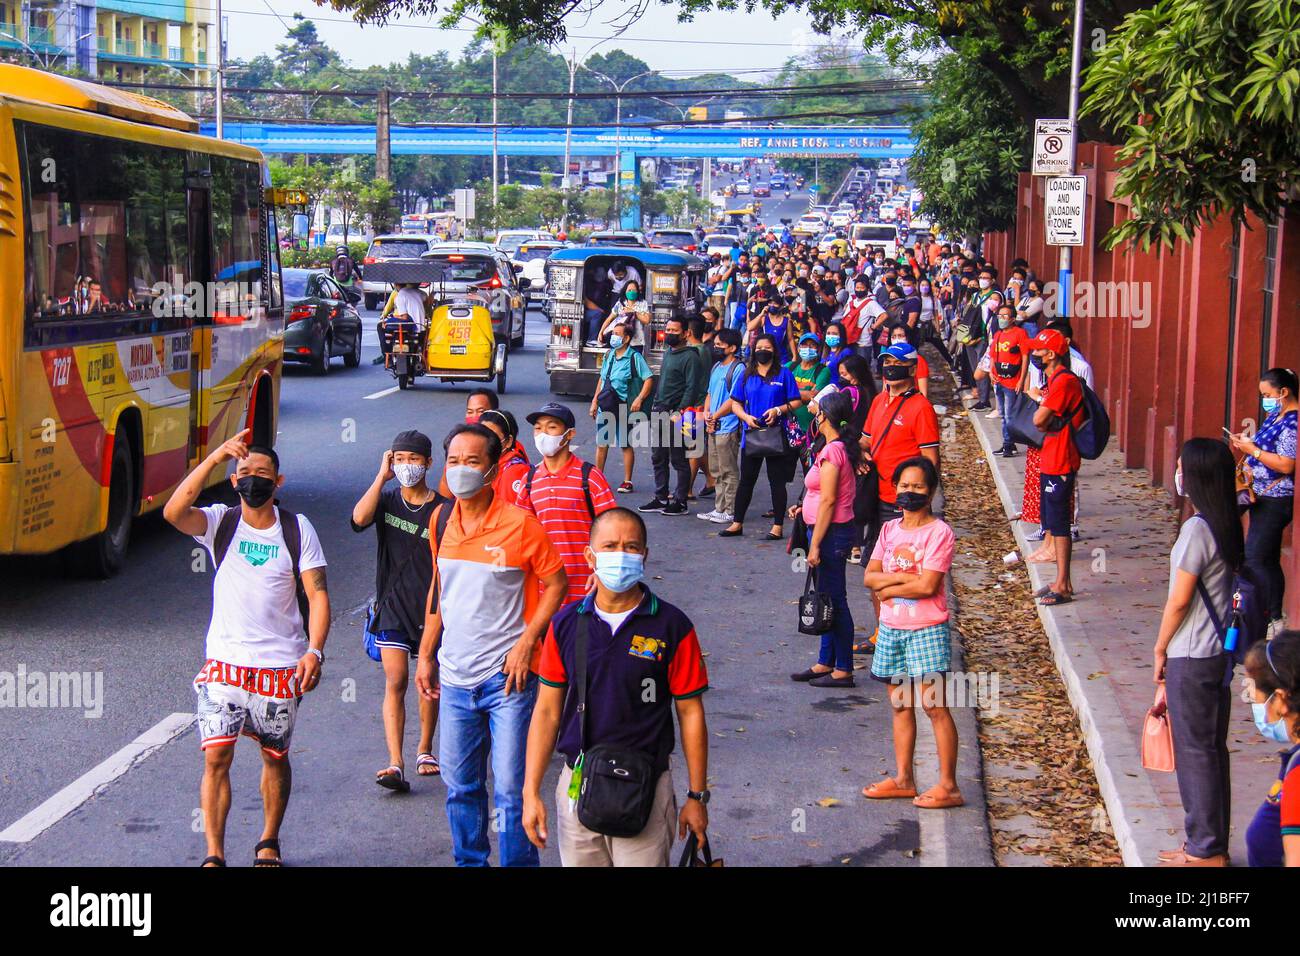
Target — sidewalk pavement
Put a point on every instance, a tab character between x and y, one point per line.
1103	641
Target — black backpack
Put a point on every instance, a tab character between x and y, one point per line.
292	540
342	268
528	487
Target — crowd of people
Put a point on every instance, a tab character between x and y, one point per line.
519	585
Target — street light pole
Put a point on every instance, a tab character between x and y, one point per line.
568	138
494	126
221	75
618	131
1065	275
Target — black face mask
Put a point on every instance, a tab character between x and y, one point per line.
896	373
255	490
1036	362
672	340
911	500
763	356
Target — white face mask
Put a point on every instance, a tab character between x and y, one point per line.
408	474
465	481
985	283
549	445
1178	482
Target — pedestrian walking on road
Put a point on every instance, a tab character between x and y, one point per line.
403	573
481	641
1190	659
908	572
266	639
514	466
638	659
622	389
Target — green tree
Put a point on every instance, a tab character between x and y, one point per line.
305	52
1203	94
375	202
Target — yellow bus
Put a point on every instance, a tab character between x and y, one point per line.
141	310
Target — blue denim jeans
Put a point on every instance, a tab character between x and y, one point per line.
591	320
1006	405
471	724
837	643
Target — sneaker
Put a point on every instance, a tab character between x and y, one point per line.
994	414
721	517
708	515
656	504
625	488
1075	534
1009	451
675	508
708	492
1035	535
980	407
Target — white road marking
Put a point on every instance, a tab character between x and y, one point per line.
89	783
387	391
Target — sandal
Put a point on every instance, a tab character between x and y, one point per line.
427	760
214	860
270	860
1052	598
392	778
868	646
625	488
936	799
887	789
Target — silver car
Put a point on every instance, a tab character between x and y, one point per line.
390	246
476	268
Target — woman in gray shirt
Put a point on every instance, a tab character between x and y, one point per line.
1189	656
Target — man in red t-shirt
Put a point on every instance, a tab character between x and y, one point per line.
1060	412
1008	354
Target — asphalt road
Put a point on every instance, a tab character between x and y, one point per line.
778	748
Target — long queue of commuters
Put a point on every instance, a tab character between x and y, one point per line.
519	586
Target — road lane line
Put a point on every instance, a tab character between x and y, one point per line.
88	784
387	391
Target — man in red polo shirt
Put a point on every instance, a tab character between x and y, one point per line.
564	492
1060	412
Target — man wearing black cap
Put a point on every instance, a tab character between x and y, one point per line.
403	572
564	492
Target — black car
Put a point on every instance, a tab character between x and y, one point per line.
320	320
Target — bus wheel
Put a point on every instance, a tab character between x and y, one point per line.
103	555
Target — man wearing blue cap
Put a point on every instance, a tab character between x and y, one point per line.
810	374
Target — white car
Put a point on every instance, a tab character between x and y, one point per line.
390	246
742	187
888	212
719	244
529	260
509	240
841	218
825	242
808	225
879	234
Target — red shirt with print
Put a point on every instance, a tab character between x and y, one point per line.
1008	347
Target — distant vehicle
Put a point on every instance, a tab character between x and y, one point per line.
719	244
320	320
864	234
529	261
888	212
743	188
334	234
861	173
825	243
809	224
509	240
762	189
683	240
726	230
841	218
779	182
885	186
854	187
466	268
915	235
391	246
617	238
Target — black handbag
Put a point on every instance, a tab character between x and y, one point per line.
617	786
767	442
692	850
816	613
1020	423
608	400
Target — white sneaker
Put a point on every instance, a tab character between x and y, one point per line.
720	517
994	414
707	515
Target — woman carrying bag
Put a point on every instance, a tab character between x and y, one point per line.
828	511
622	389
1189	656
762	398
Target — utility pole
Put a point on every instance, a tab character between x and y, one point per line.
568	138
494	127
1066	266
221	75
383	138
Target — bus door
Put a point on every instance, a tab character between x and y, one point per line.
198	204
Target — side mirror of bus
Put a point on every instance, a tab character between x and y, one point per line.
301	225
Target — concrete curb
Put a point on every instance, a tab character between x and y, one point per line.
1140	822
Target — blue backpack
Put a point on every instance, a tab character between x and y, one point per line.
1247	613
1090	437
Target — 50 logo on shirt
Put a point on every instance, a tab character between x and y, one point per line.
256	553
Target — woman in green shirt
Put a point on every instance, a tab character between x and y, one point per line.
811	375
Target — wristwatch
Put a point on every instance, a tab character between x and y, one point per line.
320	655
700	795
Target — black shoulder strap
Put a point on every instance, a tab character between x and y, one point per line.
292	533
225	534
439	529
879	442
1204	592
580	675
528	483
586	488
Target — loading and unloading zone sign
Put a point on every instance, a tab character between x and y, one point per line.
1064	199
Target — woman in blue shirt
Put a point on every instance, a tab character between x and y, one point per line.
1270	456
764	395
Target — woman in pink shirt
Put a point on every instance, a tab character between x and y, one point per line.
908	571
828	511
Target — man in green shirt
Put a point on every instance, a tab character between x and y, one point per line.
697	454
680	385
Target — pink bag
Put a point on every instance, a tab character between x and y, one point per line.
1158	736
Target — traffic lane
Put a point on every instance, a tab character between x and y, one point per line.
140	634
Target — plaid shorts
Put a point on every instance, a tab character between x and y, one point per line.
914	653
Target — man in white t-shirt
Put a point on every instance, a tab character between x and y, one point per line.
258	660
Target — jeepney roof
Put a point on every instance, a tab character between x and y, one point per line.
650	257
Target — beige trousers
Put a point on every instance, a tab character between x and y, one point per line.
651	847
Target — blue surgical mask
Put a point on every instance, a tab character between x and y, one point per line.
833	340
616	341
619	570
1271	404
808	355
1276	730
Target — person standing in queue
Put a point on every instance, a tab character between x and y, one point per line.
625	372
643	661
680	387
482	638
514	466
723	430
403	573
269	588
1060	412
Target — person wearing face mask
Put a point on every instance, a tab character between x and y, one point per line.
1008	351
860	312
1029	312
270	618
403	573
626	378
681	386
931	316
900	333
512	471
1269	457
563	491
838	348
907	573
1273	837
482	640
811	375
478	401
624	640
634	312
1190	659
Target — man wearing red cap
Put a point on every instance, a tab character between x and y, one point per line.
1059	413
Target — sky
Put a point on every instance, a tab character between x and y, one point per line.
711	42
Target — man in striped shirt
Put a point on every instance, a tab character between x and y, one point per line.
564	492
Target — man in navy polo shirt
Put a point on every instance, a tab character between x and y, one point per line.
642	653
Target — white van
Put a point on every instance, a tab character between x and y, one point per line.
876	234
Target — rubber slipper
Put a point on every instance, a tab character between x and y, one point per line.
427	760
936	799
392	778
1051	599
887	789
1043	591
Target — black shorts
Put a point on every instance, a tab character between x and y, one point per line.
1055	498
